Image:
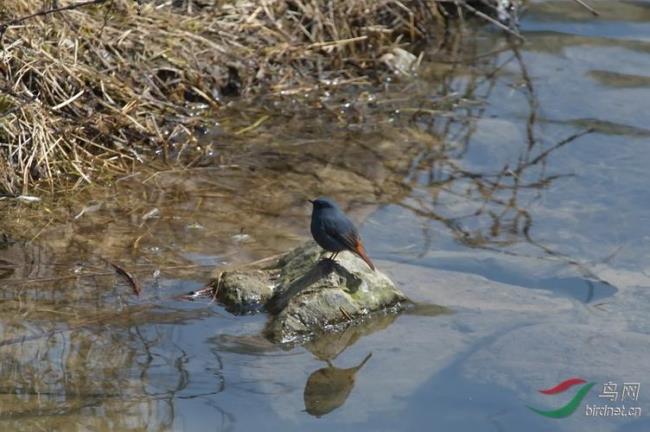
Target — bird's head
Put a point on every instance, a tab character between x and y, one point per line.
323	203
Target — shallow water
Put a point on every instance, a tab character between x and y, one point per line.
540	249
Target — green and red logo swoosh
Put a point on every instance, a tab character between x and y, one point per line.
572	405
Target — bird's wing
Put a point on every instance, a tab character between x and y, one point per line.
342	231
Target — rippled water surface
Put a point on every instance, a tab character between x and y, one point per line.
524	210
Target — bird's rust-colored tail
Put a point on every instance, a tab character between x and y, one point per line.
361	251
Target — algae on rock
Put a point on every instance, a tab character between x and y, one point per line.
306	292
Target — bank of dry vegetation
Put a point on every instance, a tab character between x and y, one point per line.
98	88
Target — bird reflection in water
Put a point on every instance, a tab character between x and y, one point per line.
328	388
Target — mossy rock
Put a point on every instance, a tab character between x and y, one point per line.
306	292
243	292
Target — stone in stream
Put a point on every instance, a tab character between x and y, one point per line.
243	292
305	293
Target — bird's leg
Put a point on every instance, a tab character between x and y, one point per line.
334	254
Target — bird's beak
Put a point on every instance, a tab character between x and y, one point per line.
311	201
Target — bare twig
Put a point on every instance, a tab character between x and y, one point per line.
129	278
493	21
4	26
587	6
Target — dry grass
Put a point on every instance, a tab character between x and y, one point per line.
97	89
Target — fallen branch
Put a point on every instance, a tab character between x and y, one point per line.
129	278
5	26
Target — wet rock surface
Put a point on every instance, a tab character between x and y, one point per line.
243	291
306	292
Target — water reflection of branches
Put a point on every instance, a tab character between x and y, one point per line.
498	201
87	364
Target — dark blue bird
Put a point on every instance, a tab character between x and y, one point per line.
334	232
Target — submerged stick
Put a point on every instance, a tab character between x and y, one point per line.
493	21
584	4
129	278
253	126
